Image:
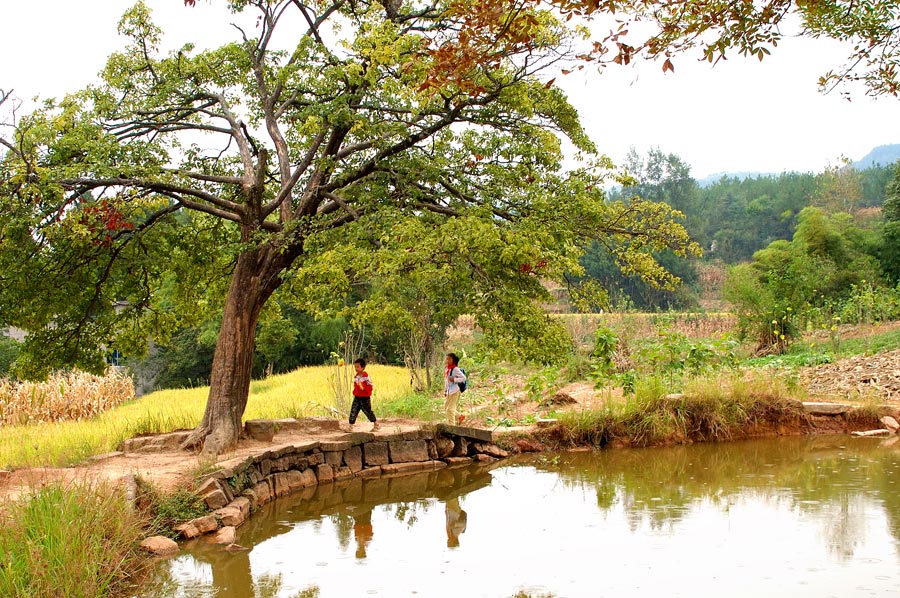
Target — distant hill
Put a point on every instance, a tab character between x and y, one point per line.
883	155
715	178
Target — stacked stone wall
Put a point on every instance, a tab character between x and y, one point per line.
244	484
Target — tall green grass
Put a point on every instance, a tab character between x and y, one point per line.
710	408
73	542
420	406
303	392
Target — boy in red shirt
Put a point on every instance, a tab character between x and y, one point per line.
362	395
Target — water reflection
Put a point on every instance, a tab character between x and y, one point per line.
362	531
832	479
456	521
785	517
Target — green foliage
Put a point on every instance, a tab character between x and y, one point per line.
869	303
605	344
9	351
275	337
673	355
804	282
542	382
889	251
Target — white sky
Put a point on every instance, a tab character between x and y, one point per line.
741	115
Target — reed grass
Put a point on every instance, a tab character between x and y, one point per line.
74	541
303	392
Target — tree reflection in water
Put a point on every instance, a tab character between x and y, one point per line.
816	475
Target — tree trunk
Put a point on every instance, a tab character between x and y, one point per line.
256	276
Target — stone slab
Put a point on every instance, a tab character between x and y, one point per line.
408	451
262	430
333	446
353	458
395	468
287	425
398	436
375	453
160	546
369	472
466	432
872	433
817	408
890	423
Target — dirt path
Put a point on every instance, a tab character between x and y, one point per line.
175	468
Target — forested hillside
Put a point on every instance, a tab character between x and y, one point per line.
733	218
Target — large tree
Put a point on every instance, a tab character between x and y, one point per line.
250	162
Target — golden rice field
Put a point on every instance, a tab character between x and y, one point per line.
303	392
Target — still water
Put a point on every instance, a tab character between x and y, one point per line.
782	517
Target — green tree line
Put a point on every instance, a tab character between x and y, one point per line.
733	218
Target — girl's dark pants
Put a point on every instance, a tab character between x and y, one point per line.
363	404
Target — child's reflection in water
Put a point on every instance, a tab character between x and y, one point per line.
456	522
362	530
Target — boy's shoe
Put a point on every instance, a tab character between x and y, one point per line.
345	427
460	420
375	427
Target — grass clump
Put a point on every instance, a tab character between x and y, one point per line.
72	541
419	406
713	408
162	511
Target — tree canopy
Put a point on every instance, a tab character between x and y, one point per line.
325	137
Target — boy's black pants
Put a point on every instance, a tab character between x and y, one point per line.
363	404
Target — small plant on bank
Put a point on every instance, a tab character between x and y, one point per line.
163	511
541	383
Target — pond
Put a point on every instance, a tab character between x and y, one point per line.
791	517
